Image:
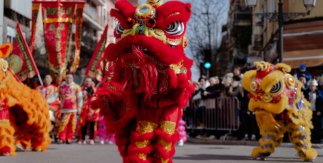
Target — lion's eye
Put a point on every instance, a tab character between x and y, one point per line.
253	86
176	28
276	88
119	29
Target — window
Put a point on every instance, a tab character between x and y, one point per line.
11	34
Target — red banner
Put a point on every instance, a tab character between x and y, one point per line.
77	36
96	65
57	22
21	61
34	15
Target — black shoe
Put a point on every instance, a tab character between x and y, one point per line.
67	142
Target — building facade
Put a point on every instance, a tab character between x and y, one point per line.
302	33
12	12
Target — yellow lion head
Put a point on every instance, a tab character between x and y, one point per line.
270	86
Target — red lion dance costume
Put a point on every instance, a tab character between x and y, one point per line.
148	83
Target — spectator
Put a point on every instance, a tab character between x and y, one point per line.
303	80
302	72
227	81
312	95
213	90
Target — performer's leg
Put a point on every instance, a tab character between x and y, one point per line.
7	142
71	126
268	142
140	147
62	129
167	136
40	140
92	130
24	139
84	131
301	137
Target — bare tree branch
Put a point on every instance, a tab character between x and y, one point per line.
203	26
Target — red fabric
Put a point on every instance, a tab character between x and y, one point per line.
5	150
21	55
95	68
57	35
69	129
145	83
4	111
125	7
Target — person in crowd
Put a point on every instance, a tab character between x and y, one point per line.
302	72
198	103
303	80
237	75
214	89
312	95
71	104
182	133
50	92
226	82
104	135
89	116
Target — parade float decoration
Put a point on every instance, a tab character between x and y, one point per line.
148	82
24	117
280	107
58	16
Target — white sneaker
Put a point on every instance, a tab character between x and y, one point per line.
91	141
84	142
110	142
102	142
181	143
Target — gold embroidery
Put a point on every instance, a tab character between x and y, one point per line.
143	144
166	145
164	160
168	127
178	68
146	127
57	20
142	156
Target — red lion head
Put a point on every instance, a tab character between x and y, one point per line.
150	45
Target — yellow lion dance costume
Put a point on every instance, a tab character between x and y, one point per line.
24	116
277	100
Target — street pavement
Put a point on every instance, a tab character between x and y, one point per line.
190	153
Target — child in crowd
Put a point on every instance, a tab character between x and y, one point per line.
182	133
88	118
103	135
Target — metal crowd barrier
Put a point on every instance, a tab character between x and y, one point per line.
220	113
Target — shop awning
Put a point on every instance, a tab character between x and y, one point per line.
311	58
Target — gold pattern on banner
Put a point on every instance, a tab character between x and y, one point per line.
142	144
145	127
168	127
57	20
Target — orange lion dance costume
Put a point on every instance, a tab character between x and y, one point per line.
24	117
280	107
149	81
